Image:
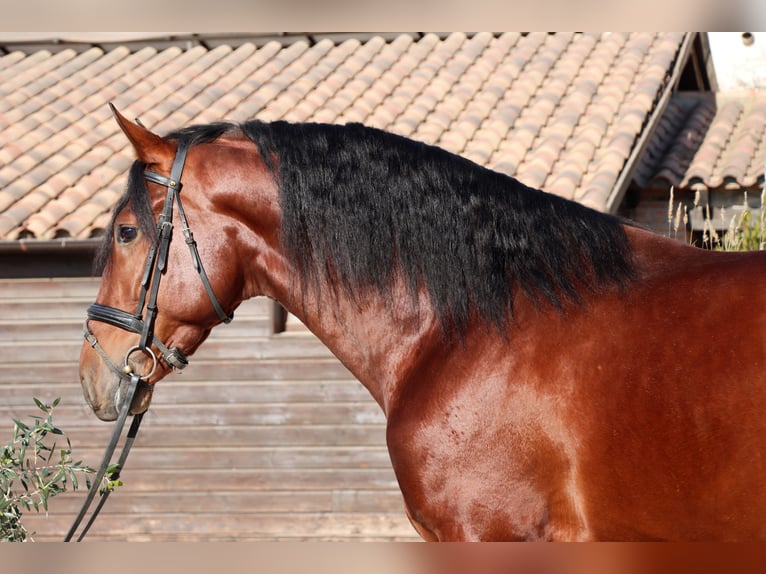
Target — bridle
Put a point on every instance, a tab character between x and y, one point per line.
156	264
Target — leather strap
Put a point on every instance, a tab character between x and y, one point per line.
96	484
156	263
165	226
124	320
164	235
129	440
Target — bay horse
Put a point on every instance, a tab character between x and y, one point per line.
547	371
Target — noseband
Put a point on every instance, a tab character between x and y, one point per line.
156	264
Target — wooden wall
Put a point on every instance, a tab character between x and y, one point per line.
262	437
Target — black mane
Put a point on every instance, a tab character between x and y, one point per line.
360	204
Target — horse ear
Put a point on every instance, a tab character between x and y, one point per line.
149	147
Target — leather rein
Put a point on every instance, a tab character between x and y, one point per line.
156	264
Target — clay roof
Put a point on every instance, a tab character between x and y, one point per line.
562	112
706	142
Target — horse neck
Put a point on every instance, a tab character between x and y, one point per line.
375	337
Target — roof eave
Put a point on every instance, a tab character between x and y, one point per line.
626	175
45	246
65	257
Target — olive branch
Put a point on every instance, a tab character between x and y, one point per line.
34	469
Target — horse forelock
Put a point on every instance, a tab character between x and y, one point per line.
361	205
137	197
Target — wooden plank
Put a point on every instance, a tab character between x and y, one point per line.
62	319
177	436
138	481
26	288
367	501
236	527
253	457
241	502
19	310
20	294
250	348
45	329
248	414
19	396
69	330
180	392
263	348
176	390
208	502
199	370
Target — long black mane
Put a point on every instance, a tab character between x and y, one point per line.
360	205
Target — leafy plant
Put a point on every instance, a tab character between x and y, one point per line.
33	469
745	233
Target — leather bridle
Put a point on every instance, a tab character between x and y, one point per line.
156	264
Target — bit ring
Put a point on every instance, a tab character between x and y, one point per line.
128	370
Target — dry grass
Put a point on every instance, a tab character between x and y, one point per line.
744	230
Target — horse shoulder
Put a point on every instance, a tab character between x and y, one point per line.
477	444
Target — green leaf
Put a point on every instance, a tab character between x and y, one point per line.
52	450
20	425
73	478
30	473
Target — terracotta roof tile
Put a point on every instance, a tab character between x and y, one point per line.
560	111
11	60
709	141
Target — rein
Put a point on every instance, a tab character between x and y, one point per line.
96	484
156	264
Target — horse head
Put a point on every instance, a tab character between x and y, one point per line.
156	304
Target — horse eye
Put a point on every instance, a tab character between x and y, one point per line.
126	233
